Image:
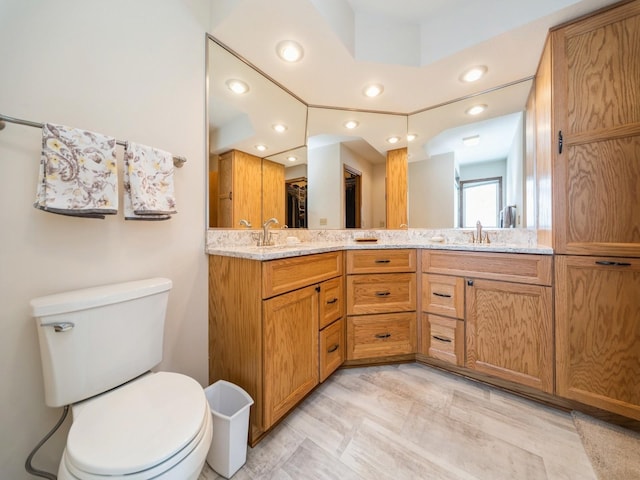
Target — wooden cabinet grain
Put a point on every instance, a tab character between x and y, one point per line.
239	189
598	332
509	331
500	304
596	129
381	303
264	329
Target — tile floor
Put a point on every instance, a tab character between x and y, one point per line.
413	422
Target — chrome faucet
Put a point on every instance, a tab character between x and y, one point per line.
266	235
245	223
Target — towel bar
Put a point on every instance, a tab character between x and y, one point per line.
178	161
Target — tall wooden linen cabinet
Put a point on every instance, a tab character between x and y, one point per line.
589	86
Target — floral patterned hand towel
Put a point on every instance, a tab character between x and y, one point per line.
148	183
78	173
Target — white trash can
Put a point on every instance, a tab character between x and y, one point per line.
229	406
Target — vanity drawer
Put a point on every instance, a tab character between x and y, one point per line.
286	274
443	338
331	301
371	336
510	267
443	294
381	293
381	260
332	348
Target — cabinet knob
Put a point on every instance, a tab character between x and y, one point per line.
383	261
333	300
383	294
382	335
470	283
333	348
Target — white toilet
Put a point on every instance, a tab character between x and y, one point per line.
97	347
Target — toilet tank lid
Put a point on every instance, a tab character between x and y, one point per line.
97	296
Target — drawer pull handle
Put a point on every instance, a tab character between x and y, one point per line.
383	294
333	348
382	335
616	264
443	295
333	300
442	339
383	261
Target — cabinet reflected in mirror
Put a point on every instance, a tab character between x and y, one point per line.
250	117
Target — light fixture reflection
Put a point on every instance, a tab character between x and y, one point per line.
476	110
261	147
289	51
237	86
280	128
471	141
373	90
474	74
411	137
393	140
351	124
292	158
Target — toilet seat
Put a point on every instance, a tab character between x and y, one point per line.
139	430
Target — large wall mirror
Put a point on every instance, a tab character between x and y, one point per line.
325	168
464	167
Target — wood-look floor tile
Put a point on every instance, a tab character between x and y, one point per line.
408	421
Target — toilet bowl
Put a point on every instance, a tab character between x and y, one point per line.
158	426
98	346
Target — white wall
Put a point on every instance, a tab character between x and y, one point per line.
515	173
324	188
134	70
432	192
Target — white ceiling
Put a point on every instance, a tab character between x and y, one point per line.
416	48
349	43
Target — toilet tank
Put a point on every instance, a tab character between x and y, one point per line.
94	339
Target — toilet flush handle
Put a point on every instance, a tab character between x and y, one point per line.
60	326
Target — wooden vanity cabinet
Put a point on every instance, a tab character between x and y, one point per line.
507	314
381	303
598	332
442	318
265	329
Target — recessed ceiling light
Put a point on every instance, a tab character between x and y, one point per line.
237	86
351	124
279	127
393	140
411	137
476	110
289	51
471	141
292	158
474	73
373	90
261	147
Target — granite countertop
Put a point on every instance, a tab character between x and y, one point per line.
284	250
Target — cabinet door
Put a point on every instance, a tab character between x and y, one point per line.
443	294
598	332
332	348
509	332
273	192
382	335
290	350
331	301
381	293
596	110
